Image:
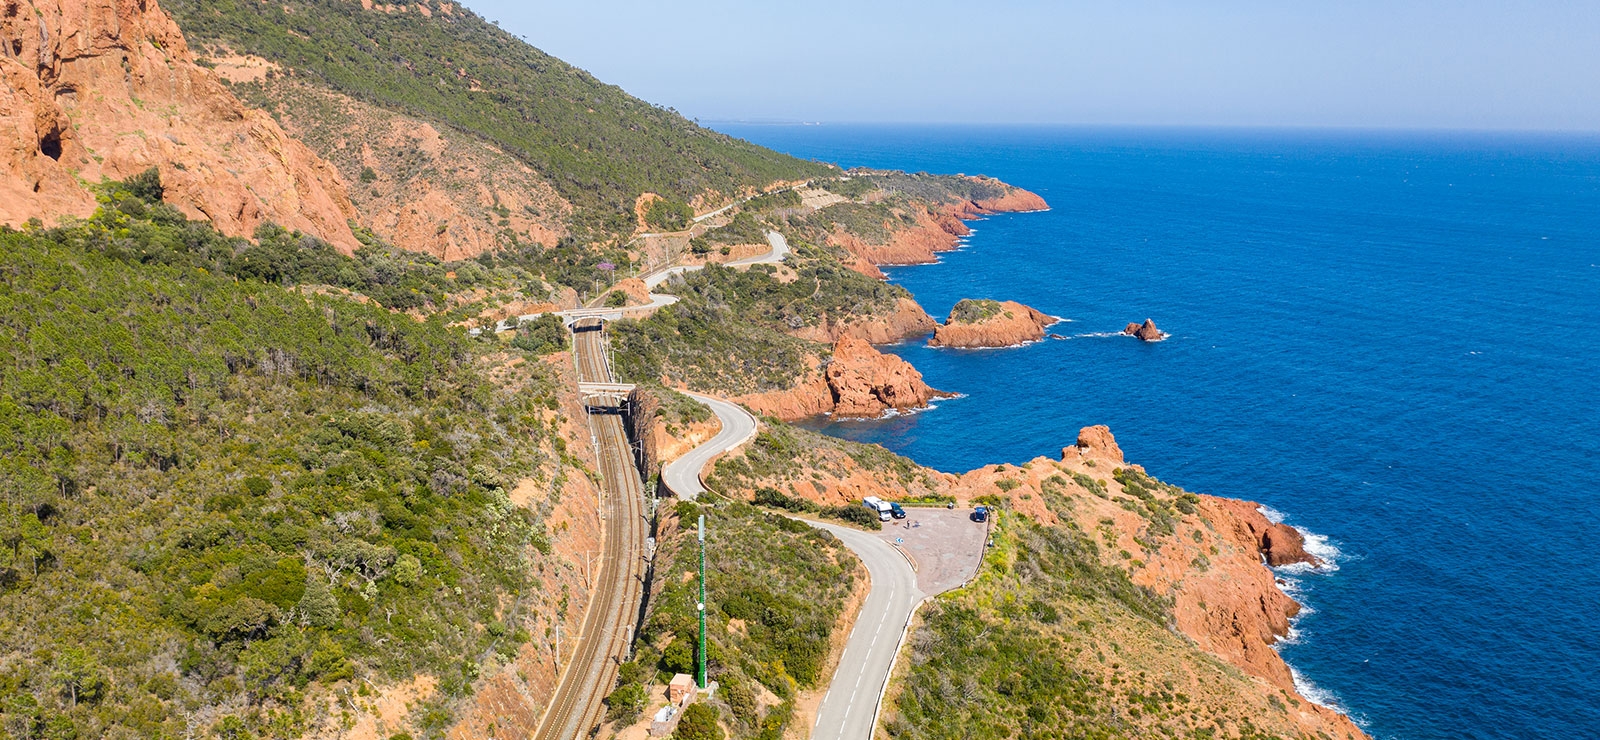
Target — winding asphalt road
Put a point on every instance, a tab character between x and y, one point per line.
779	250
682	475
849	710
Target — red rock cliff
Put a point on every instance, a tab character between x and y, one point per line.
866	382
937	229
1011	325
107	89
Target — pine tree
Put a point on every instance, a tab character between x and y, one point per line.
318	607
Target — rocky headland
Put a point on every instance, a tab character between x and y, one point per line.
858	381
935	225
982	323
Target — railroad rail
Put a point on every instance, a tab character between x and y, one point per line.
607	635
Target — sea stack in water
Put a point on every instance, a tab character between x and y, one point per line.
977	323
1146	331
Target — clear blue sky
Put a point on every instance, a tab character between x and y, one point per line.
1368	63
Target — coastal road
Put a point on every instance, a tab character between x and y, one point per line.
682	475
849	710
779	248
589	673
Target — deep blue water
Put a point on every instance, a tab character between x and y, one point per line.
1390	337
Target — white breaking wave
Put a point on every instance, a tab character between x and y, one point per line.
1314	693
892	413
1316	544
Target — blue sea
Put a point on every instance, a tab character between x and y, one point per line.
1390	338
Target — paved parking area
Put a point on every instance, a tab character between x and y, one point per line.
945	546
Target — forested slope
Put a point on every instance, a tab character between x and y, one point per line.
220	496
598	146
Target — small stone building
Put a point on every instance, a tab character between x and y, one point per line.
681	690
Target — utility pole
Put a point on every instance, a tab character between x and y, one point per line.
702	675
558	646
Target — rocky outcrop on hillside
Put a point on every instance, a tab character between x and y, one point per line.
1096	442
108	89
637	292
857	382
979	324
917	240
1279	544
422	186
866	382
1146	332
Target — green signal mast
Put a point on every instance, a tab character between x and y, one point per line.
702	606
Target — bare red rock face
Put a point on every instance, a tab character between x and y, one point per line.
1145	332
1278	543
99	89
865	382
1097	441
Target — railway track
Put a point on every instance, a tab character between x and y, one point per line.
575	709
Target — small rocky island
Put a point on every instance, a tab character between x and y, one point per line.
1145	332
975	323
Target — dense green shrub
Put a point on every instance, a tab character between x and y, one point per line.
974	310
785	581
668	215
855	514
218	492
542	335
699	722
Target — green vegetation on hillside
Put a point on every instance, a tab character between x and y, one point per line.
729	333
600	147
775	589
134	226
994	660
926	188
873	223
1052	641
781	451
668	215
219	497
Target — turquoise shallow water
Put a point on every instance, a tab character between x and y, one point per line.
1388	337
